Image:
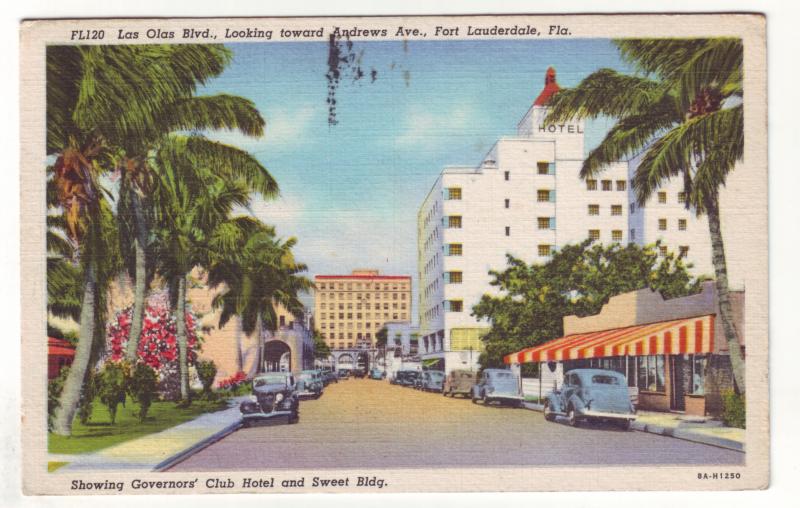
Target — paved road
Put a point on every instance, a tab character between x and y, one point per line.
372	424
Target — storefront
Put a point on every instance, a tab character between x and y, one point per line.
670	365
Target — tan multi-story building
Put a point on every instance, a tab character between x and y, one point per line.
350	309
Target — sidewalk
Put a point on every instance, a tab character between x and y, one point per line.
162	449
689	428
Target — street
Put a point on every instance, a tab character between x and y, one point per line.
372	424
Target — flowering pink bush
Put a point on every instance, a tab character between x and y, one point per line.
158	345
233	382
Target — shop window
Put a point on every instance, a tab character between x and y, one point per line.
699	364
650	373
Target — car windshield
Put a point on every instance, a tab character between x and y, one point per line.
270	380
605	380
501	375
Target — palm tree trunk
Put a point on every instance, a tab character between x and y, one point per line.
723	294
140	284
259	346
180	331
71	393
238	338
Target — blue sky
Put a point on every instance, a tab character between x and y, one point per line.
350	192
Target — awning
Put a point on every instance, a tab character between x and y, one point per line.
59	347
680	336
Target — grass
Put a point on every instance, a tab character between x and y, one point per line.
532	398
54	465
99	433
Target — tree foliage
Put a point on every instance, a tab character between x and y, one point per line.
578	280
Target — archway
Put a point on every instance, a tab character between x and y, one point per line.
277	356
345	361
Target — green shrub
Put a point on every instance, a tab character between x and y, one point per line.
112	385
54	387
143	386
733	409
206	371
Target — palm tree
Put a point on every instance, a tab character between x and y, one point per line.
259	272
683	111
200	182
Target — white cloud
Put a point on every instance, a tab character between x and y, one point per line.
426	127
284	128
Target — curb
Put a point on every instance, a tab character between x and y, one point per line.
685	435
196	447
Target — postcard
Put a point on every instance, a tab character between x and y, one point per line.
394	254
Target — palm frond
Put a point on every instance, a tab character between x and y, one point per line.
214	112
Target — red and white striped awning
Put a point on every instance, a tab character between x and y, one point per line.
680	336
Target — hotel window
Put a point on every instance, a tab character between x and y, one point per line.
594	234
662	224
662	250
616	209
453	277
453	193
508	203
546	168
454	222
453	305
683	251
616	235
621	185
594	209
607	185
507	176
681	197
662	197
591	184
508	231
545	196
545	249
682	224
341	315
543	222
453	249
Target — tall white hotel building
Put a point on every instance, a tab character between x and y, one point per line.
526	199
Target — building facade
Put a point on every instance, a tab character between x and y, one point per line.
672	352
350	309
526	199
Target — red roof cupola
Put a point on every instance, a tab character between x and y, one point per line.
550	88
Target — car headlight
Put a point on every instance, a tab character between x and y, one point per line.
253	398
279	397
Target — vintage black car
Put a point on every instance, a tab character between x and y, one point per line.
406	377
343	373
274	400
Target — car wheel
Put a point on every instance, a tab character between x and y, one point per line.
485	400
572	418
548	412
474	399
624	424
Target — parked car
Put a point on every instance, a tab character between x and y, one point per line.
376	373
330	376
432	380
274	399
309	384
460	382
358	372
498	385
406	377
343	373
591	394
